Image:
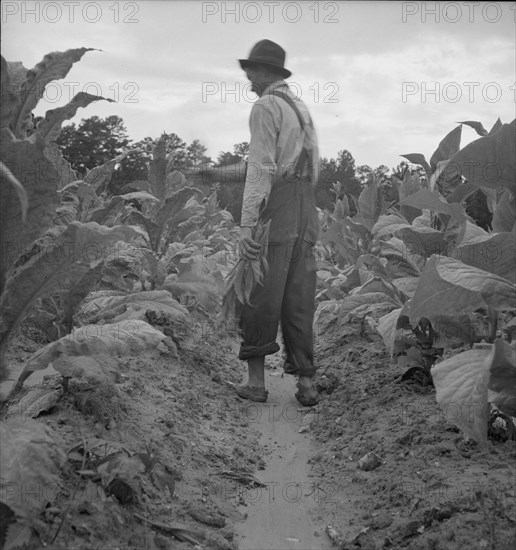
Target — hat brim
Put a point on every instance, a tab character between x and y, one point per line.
285	73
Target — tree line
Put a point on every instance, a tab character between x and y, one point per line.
94	141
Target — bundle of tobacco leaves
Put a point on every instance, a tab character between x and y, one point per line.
243	278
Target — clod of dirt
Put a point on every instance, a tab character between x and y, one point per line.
216	377
203	514
381	521
410	437
369	461
163	543
437	513
308	419
216	542
122	490
410	529
419	375
327	383
335	535
364	540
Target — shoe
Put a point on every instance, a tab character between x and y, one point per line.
254	394
308	397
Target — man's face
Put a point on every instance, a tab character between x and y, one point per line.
259	77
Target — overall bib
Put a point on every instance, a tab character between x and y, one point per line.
288	292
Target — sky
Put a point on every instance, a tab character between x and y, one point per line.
381	79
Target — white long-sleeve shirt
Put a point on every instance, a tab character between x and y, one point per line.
276	143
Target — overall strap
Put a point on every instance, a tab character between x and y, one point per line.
289	100
304	156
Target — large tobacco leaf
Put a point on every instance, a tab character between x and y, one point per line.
30	164
466	382
172	212
369	206
73	296
9	177
502	381
387	327
78	200
340	236
387	224
461	384
418	158
50	127
448	147
410	185
350	303
406	285
492	252
68	255
100	176
395	330
376	284
477	126
448	287
101	307
31	455
110	213
504	215
54	66
432	200
400	261
325	313
418	239
489	161
12	75
91	351
421	240
66	173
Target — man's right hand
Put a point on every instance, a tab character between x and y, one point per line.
249	249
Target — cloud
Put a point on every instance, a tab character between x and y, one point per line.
351	63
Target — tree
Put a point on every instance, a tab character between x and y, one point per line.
364	173
240	153
341	169
93	141
241	150
225	158
195	155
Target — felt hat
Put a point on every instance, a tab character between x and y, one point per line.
266	52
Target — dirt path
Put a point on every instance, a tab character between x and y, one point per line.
281	515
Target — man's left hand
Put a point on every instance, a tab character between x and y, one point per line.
248	248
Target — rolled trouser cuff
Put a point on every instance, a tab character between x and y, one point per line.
307	369
248	351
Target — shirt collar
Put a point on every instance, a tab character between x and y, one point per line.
274	86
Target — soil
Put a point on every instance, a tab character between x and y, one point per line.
375	465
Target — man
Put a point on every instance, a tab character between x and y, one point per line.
281	176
